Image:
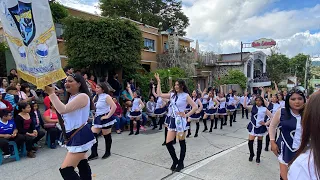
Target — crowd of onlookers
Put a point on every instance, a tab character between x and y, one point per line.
23	121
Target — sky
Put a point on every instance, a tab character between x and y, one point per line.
220	25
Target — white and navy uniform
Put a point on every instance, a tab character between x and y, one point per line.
282	104
257	115
150	108
195	116
211	110
290	136
248	100
303	167
231	100
178	103
161	109
135	105
273	108
205	102
222	108
83	140
102	109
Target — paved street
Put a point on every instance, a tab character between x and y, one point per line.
221	155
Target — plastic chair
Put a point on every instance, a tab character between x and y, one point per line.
15	154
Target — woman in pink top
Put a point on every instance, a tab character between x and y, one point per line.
51	119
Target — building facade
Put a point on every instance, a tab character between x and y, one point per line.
253	65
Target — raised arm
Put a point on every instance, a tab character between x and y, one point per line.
199	88
78	102
159	93
129	90
276	87
154	91
141	104
262	95
216	102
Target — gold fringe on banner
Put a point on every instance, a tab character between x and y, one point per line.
44	80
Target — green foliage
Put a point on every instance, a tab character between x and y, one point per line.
233	77
103	44
164	14
3	48
298	63
58	11
278	67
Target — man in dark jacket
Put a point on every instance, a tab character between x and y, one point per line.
115	84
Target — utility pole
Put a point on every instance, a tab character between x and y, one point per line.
306	73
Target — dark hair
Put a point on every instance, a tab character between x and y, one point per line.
11	88
67	68
24	86
261	99
1	81
19	107
198	94
104	87
82	89
310	124
182	85
12	69
287	104
4	112
276	97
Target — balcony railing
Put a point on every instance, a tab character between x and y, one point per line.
260	81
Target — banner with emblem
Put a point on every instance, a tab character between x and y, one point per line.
31	36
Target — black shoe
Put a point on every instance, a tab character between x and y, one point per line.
205	129
242	117
164	143
130	133
234	121
266	149
174	166
224	124
160	128
179	167
93	157
106	155
154	127
251	158
137	133
210	130
188	136
196	135
258	160
215	127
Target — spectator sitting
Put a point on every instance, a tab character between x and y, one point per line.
121	121
8	132
26	127
28	92
51	119
11	96
126	95
5	104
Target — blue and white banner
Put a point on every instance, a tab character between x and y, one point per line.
31	36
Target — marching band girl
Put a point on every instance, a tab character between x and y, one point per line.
104	120
256	126
161	107
135	113
196	116
222	111
211	110
289	121
176	119
231	100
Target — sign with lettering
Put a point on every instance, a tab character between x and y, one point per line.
263	43
31	36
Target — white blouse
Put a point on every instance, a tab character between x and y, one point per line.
303	167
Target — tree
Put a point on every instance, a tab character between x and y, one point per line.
103	44
164	14
173	17
58	11
234	77
3	48
298	64
278	67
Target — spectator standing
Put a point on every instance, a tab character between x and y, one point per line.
3	85
13	77
115	84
